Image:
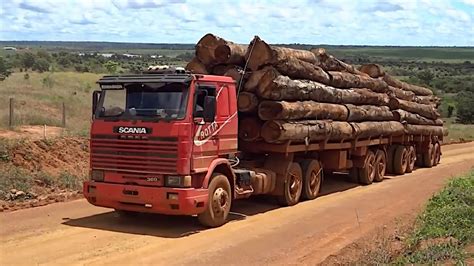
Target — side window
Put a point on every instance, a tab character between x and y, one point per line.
201	92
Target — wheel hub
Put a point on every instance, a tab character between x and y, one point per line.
220	200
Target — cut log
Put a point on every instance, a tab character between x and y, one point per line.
220	70
249	128
349	80
430	99
230	53
252	82
236	74
205	48
369	113
365	130
247	102
259	53
283	88
416	119
373	70
330	63
282	110
425	110
424	130
277	131
299	69
196	67
401	94
405	86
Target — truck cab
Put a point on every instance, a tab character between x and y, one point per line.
164	143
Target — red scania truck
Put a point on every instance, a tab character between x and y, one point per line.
168	143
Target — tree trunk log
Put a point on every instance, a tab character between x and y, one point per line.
247	102
236	73
349	80
401	94
205	49
365	130
196	67
330	63
259	53
431	100
284	88
230	53
272	110
422	109
299	69
424	130
249	128
373	70
415	119
220	70
252	82
405	86
359	113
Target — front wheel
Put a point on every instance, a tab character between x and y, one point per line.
293	186
220	200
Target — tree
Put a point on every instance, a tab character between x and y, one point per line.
425	76
450	110
5	68
111	66
465	113
27	60
41	65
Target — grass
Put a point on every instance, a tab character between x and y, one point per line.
445	227
458	132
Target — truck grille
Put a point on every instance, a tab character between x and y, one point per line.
134	154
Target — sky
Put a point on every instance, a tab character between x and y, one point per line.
343	22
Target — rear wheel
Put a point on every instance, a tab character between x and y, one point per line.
380	165
220	200
400	160
437	154
411	159
367	173
293	186
428	156
312	178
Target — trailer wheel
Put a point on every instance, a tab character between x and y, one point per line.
367	173
437	154
390	153
380	165
220	200
428	156
411	159
400	160
312	178
293	186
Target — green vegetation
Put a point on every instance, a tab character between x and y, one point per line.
446	226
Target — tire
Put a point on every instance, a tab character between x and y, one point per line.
428	157
390	152
367	173
354	175
400	160
312	178
412	158
380	165
220	201
292	187
437	154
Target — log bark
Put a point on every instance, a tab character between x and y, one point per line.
373	70
299	69
365	130
247	102
230	53
401	94
369	113
237	74
349	80
283	88
416	119
431	99
424	130
220	70
259	53
205	48
196	67
425	110
252	82
249	128
405	86
282	110
330	63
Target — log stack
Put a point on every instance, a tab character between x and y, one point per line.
302	96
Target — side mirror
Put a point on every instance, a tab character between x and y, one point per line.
209	112
95	101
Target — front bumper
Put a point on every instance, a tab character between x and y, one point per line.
165	200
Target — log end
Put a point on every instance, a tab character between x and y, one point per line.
196	67
373	70
222	53
270	131
249	129
206	46
247	102
268	110
258	54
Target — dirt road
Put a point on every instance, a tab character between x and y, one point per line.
260	233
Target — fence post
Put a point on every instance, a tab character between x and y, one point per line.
64	115
10	117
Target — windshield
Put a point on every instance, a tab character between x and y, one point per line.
145	100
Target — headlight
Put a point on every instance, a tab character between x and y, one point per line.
178	181
97	175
